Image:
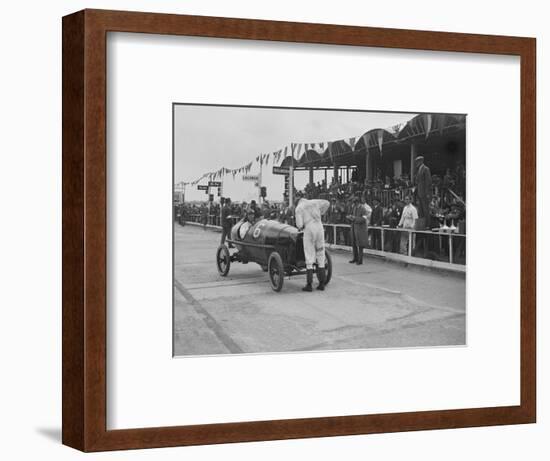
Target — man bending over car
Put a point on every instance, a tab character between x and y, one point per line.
308	217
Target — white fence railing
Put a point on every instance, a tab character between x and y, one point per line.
422	247
441	248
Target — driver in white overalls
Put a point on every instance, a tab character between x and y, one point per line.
308	217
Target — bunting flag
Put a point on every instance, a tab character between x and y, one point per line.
366	141
374	138
443	121
380	139
428	124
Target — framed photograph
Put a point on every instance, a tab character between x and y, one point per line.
279	230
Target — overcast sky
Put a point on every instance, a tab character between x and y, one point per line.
210	137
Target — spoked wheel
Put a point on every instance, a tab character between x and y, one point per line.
328	267
223	260
276	271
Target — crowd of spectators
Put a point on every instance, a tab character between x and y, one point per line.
394	203
210	213
446	206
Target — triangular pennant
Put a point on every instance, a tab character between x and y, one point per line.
380	139
428	124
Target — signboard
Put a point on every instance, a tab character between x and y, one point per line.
202	187
250	177
214	183
281	170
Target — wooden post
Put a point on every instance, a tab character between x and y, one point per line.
260	186
413	156
291	184
367	165
382	239
310	175
221	206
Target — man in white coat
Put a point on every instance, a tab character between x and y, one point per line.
308	217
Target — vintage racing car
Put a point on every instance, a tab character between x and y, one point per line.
275	246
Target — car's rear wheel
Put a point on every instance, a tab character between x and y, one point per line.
328	267
276	271
223	260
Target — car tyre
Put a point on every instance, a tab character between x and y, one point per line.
223	260
276	271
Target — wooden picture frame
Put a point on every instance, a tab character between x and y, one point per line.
85	222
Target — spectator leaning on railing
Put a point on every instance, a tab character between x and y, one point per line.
407	221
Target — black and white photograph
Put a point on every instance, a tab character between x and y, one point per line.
300	229
275	231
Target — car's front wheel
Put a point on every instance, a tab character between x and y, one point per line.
223	260
276	271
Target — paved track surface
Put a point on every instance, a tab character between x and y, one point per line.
378	305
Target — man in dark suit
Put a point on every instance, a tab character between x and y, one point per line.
227	223
392	218
376	221
423	183
359	219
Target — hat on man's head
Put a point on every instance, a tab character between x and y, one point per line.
420	157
